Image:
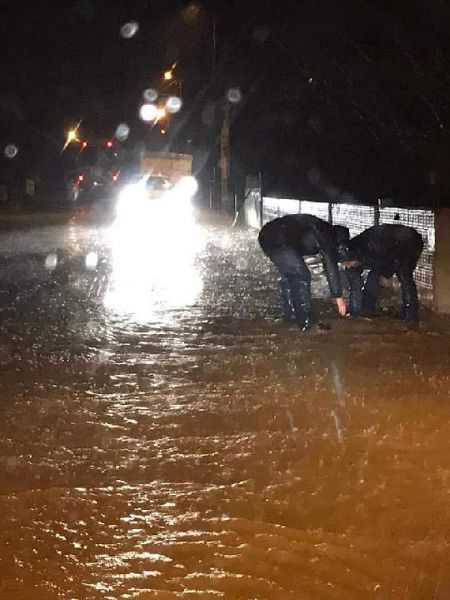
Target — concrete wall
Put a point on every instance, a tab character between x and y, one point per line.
441	296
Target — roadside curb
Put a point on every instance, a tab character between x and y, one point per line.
10	219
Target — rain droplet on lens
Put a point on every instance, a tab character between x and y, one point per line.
174	104
150	95
191	12
129	30
234	95
91	260
148	112
11	151
261	33
51	261
122	132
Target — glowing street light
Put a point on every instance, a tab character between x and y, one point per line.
151	112
168	75
72	136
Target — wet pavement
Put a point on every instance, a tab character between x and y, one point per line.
163	435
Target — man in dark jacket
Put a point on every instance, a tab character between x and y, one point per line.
385	250
286	241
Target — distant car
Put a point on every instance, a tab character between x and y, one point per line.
144	199
157	185
154	186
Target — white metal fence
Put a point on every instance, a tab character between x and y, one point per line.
259	210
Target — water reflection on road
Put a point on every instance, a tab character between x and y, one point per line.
194	447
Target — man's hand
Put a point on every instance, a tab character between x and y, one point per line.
341	305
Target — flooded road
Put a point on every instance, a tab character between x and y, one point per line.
163	436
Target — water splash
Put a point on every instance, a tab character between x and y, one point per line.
150	95
340	395
51	261
234	95
174	104
11	151
122	132
129	30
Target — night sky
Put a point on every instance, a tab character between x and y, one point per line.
337	97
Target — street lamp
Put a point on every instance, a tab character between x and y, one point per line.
72	136
168	75
170	79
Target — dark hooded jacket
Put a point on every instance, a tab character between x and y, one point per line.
385	248
307	235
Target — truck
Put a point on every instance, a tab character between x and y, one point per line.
169	165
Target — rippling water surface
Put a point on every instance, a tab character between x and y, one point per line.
163	436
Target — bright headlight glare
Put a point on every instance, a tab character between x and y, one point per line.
127	193
187	186
129	198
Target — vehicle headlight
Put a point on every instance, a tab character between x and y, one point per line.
129	198
187	186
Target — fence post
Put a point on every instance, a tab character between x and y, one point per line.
261	200
330	213
376	214
441	284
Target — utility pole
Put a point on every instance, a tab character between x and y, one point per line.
214	47
225	152
213	200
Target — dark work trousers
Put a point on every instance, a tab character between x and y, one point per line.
295	285
364	296
410	301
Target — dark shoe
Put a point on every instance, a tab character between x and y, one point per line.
368	308
410	313
311	326
305	324
301	303
317	328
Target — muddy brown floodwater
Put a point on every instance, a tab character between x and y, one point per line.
190	446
